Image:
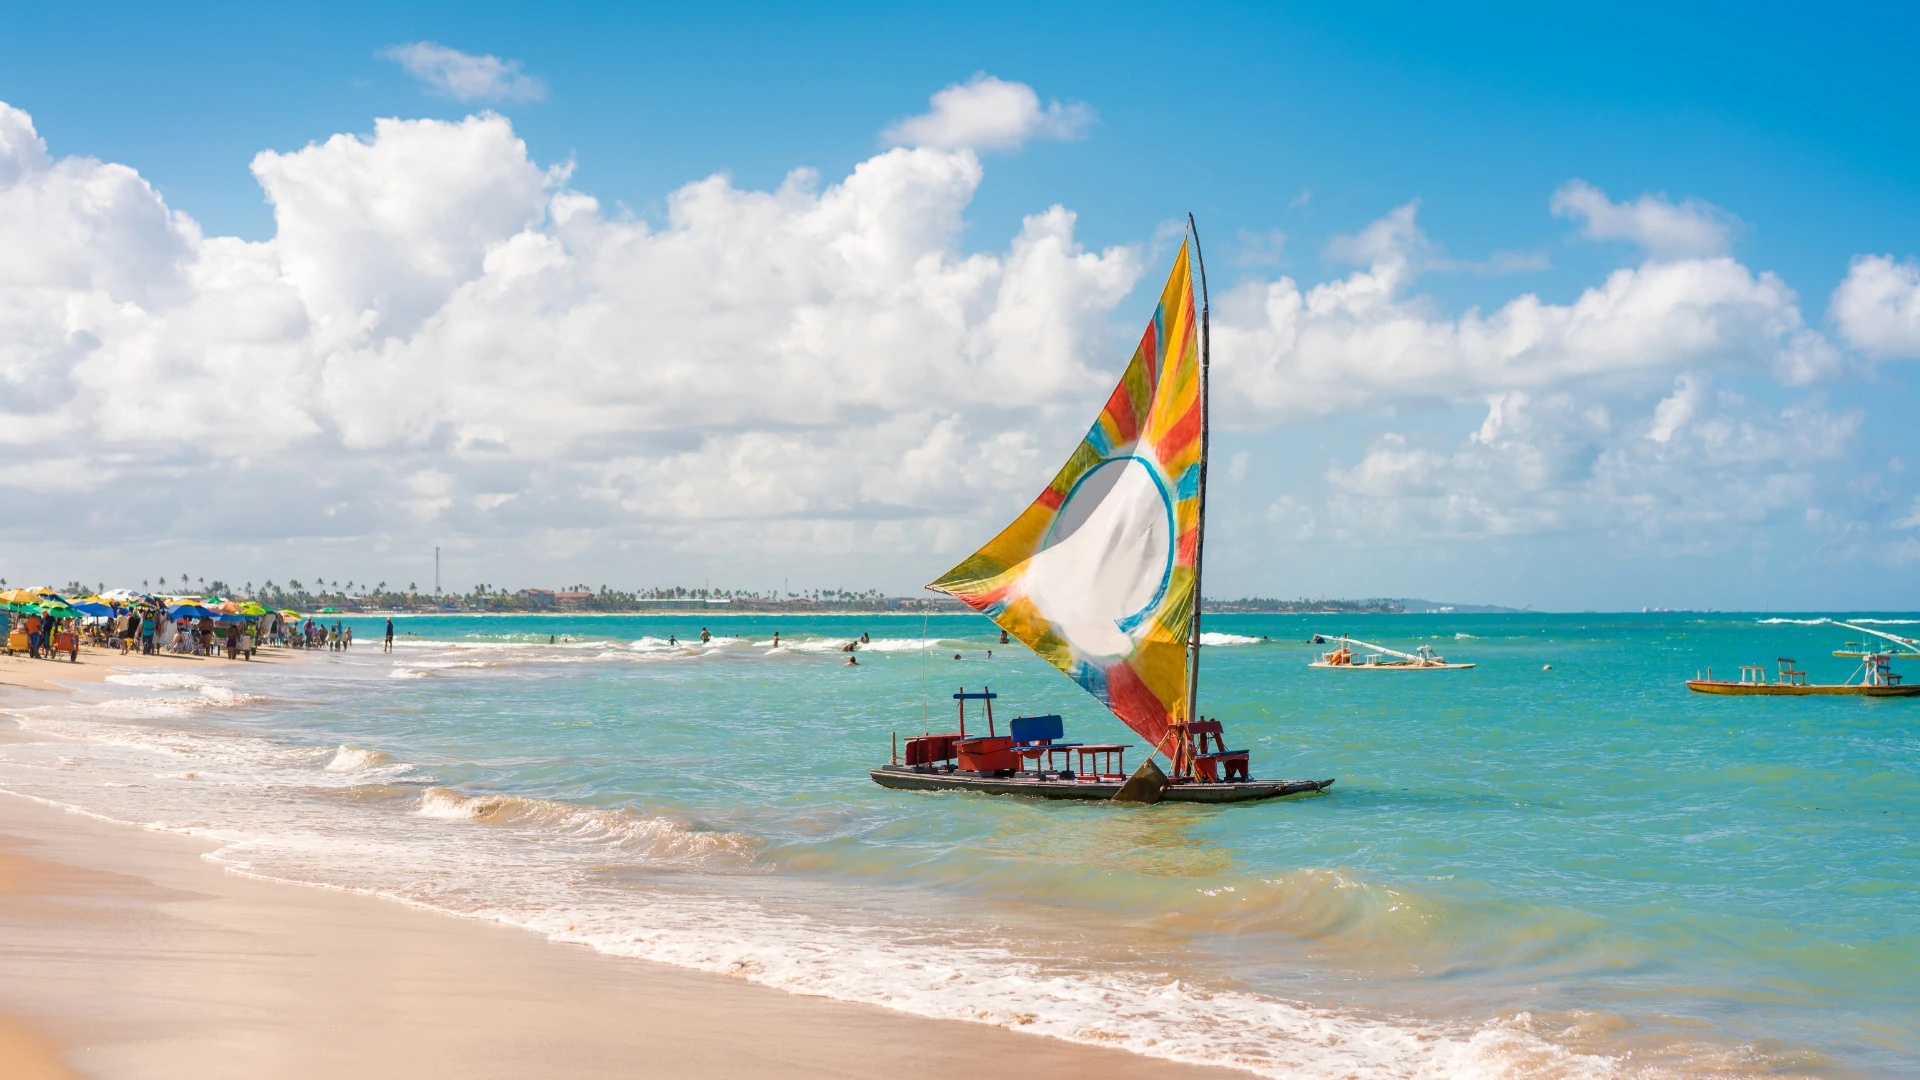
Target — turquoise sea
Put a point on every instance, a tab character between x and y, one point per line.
1521	872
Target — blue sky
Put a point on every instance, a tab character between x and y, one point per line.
1284	128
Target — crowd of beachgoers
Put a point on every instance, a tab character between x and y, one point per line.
43	624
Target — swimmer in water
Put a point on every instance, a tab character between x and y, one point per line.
864	639
1003	637
853	661
776	639
704	636
671	640
956	656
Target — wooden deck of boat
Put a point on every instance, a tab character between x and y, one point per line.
904	778
1715	686
1397	665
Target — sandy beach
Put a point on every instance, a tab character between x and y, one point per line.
123	954
94	665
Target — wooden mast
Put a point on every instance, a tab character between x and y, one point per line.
1200	528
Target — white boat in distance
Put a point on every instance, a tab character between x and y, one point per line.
1421	659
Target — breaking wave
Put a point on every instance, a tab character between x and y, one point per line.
660	840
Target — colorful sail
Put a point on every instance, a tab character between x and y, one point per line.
1097	576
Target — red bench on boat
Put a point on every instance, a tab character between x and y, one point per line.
1209	767
929	749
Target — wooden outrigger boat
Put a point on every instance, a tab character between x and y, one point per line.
1100	576
1421	659
1907	646
1875	681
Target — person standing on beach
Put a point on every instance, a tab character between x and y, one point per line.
389	645
146	632
33	637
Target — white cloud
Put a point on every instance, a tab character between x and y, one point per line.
464	76
1877	307
1653	221
1362	341
442	337
1558	464
986	113
444	343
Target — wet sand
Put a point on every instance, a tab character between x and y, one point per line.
123	954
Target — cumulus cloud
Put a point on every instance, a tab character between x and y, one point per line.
1561	463
1367	339
1877	307
464	76
441	335
1656	223
444	342
986	113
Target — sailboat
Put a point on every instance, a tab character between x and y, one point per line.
1343	659
1875	675
1100	577
1907	646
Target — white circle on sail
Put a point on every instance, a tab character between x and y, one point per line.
1106	558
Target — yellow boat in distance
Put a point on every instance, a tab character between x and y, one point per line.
1875	681
1421	659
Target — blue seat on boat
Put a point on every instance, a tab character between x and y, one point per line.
1037	738
1037	730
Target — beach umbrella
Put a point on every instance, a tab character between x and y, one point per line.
94	609
291	614
251	608
329	611
188	611
225	607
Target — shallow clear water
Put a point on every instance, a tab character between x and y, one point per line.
1586	871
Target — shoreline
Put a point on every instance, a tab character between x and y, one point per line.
95	664
126	953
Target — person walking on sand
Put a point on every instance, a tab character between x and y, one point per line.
389	645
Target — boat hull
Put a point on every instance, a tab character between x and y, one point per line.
1704	686
903	778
